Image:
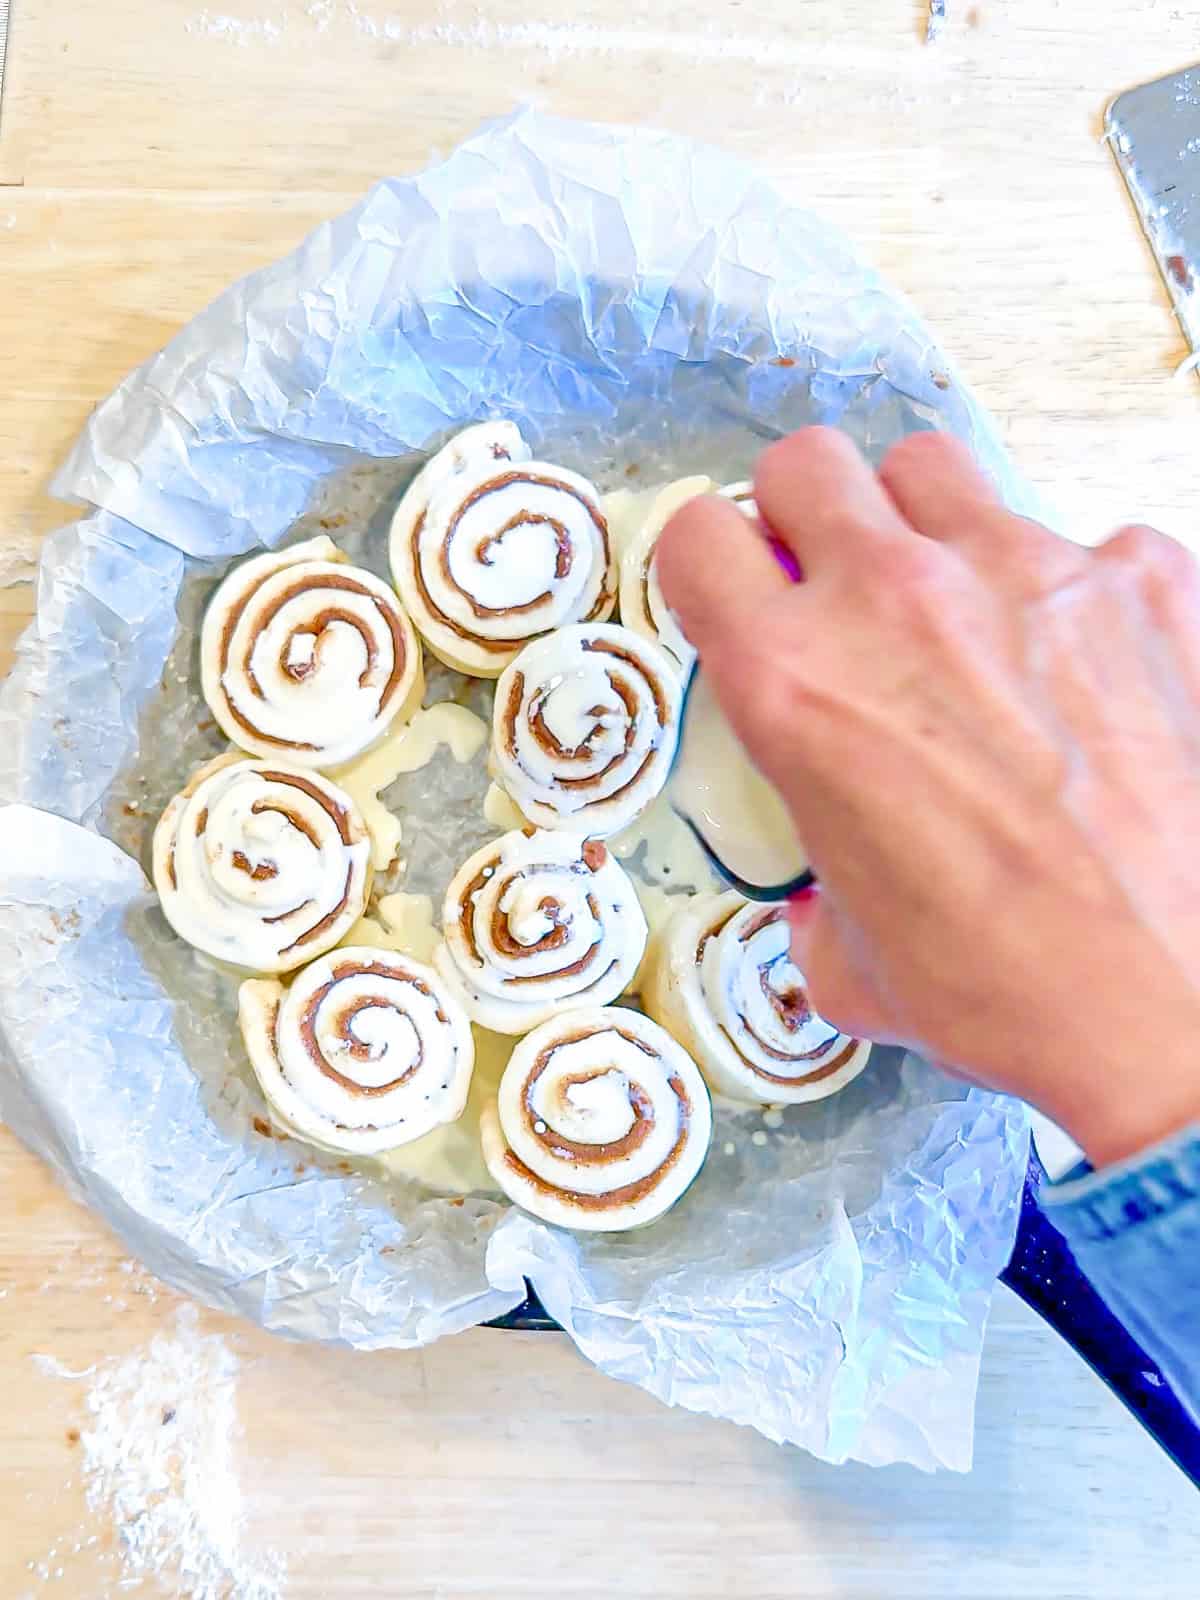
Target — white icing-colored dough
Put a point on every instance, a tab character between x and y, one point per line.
643	607
601	1123
307	659
584	728
538	924
261	865
721	979
490	549
365	1051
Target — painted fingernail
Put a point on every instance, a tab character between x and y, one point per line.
786	560
800	897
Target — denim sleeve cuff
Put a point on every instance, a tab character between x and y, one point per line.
1154	1184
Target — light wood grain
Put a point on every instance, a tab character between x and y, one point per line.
145	162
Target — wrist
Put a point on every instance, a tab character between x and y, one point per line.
1125	1116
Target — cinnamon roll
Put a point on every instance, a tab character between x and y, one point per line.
364	1052
642	605
601	1121
721	979
742	495
306	658
535	924
260	864
491	549
584	728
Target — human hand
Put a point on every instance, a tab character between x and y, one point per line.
990	742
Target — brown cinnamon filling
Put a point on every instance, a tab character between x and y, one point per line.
504	942
284	915
784	1078
763	920
547	741
328	804
327	921
305	586
607	648
596	1155
263	872
466	917
316	628
792	1009
260	807
595	854
563	558
558	935
789	1005
361	1052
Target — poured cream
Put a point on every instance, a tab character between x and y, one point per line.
625	511
501	810
450	1159
401	922
407	750
718	790
672	856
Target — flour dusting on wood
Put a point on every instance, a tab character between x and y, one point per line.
464	26
158	1466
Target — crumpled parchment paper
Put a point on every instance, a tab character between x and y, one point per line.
643	307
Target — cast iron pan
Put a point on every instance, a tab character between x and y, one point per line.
1045	1275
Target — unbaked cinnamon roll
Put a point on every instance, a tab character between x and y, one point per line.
642	605
260	864
742	495
364	1052
584	728
538	923
601	1122
306	658
491	549
721	979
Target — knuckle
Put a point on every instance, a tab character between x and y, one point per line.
1149	553
910	581
920	452
904	566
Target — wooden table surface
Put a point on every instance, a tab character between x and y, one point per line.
153	150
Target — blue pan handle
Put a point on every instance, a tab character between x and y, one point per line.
1044	1273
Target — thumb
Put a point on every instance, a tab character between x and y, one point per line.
837	988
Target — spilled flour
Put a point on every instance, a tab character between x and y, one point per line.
18	559
237	30
158	1466
471	26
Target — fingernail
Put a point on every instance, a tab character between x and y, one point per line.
786	560
800	897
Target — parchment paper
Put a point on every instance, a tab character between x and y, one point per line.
643	307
